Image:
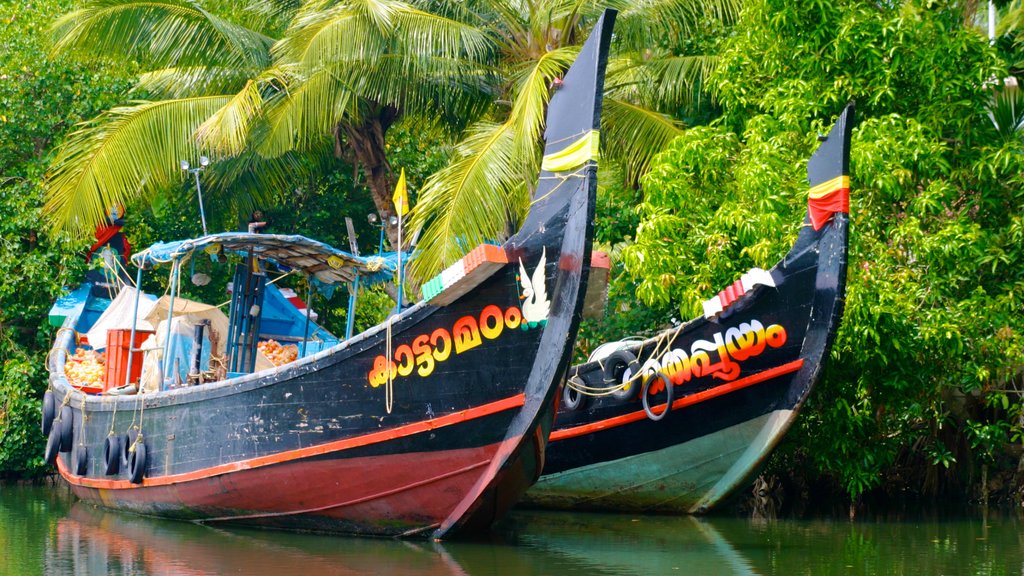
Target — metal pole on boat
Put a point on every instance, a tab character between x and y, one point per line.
135	320
350	320
399	262
176	269
353	287
203	163
309	307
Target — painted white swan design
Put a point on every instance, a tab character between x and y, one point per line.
536	306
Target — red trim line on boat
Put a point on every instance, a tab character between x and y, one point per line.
509	403
690	400
371	497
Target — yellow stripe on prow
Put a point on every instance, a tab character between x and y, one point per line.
574	155
829	186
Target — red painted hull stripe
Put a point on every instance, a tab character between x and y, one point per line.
690	400
509	403
370	498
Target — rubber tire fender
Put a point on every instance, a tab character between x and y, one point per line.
52	445
49	410
669	395
572	399
80	459
137	463
127	439
112	454
615	366
67	428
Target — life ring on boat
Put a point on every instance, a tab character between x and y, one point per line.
67	434
52	445
112	454
127	439
137	463
49	411
616	365
645	398
573	399
80	459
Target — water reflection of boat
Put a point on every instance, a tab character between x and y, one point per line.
733	379
434	421
625	544
95	541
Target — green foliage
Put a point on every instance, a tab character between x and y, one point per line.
934	301
21	386
40	99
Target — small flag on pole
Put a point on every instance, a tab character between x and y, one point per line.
401	197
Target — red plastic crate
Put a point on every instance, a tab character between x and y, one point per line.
117	357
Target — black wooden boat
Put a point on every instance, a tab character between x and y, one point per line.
434	422
734	379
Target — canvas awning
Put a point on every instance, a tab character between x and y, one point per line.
322	261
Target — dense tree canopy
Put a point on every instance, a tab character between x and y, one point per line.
934	325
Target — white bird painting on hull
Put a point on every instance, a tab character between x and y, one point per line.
536	306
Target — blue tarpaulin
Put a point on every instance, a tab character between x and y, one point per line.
326	264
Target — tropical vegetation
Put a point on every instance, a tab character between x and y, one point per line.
711	112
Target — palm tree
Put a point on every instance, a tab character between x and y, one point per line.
341	74
483	193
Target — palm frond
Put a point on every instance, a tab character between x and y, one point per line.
226	132
192	81
477	197
125	153
632	135
643	23
305	113
661	80
531	94
1007	112
315	38
160	33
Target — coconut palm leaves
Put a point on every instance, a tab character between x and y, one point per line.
342	72
122	155
645	82
159	33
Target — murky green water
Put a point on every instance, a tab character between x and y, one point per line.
44	531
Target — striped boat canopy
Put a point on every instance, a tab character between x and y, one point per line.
287	252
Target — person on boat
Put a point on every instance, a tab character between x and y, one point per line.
257	222
110	239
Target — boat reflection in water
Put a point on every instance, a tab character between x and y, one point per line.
94	541
630	544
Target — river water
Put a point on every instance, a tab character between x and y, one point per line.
45	531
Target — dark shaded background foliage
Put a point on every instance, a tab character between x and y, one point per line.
923	381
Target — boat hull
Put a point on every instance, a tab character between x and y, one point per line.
433	423
737	377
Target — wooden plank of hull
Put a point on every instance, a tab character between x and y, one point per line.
473	387
611	456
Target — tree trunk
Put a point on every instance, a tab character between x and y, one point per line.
367	144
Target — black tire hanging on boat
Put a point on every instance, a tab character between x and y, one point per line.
615	366
49	411
80	459
112	454
52	445
645	398
127	439
67	429
573	399
137	463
